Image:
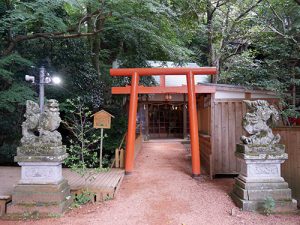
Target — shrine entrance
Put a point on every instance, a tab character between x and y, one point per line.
190	89
165	120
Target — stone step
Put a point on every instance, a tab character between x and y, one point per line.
261	185
49	188
261	195
43	209
280	206
40	197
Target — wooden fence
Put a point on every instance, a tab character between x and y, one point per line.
290	137
119	161
220	129
226	131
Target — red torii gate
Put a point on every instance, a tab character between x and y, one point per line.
135	89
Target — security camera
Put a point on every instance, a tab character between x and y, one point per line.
29	78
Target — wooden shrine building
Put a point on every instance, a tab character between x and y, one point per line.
164	111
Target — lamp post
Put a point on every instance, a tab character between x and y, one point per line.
42	88
44	78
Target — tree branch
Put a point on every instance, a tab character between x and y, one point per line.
247	11
218	5
284	35
57	35
275	13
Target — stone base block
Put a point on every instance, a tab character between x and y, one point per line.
251	196
41	172
46	199
276	149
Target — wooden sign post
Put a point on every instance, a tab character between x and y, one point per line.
102	120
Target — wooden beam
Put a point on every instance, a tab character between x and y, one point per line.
163	71
164	90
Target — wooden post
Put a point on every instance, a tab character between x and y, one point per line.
147	121
129	154
122	163
117	158
101	147
193	124
184	117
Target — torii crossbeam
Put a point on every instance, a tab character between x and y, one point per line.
191	89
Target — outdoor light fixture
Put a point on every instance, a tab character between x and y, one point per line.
44	78
56	80
30	78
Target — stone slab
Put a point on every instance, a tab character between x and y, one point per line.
41	150
249	149
43	209
33	158
43	199
262	156
280	206
49	188
35	195
261	168
260	180
261	185
41	172
261	195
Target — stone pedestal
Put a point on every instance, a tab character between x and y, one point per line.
260	178
42	189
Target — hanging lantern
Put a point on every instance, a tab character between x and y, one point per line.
168	97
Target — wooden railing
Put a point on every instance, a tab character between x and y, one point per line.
119	161
290	137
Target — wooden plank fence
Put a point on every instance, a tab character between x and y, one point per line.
290	137
119	161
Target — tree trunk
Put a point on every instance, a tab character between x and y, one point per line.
212	59
94	41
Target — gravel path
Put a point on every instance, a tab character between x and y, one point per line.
161	192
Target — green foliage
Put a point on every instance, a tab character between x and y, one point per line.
269	205
83	140
83	198
35	215
13	95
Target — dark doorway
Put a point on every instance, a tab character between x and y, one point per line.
165	120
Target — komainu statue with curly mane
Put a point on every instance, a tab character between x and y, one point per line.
39	130
42	188
260	157
256	122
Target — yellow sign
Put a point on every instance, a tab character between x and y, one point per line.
102	119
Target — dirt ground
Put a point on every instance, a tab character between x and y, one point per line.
161	192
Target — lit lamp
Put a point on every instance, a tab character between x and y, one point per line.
44	78
168	97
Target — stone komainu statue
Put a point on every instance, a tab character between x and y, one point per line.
256	122
41	128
